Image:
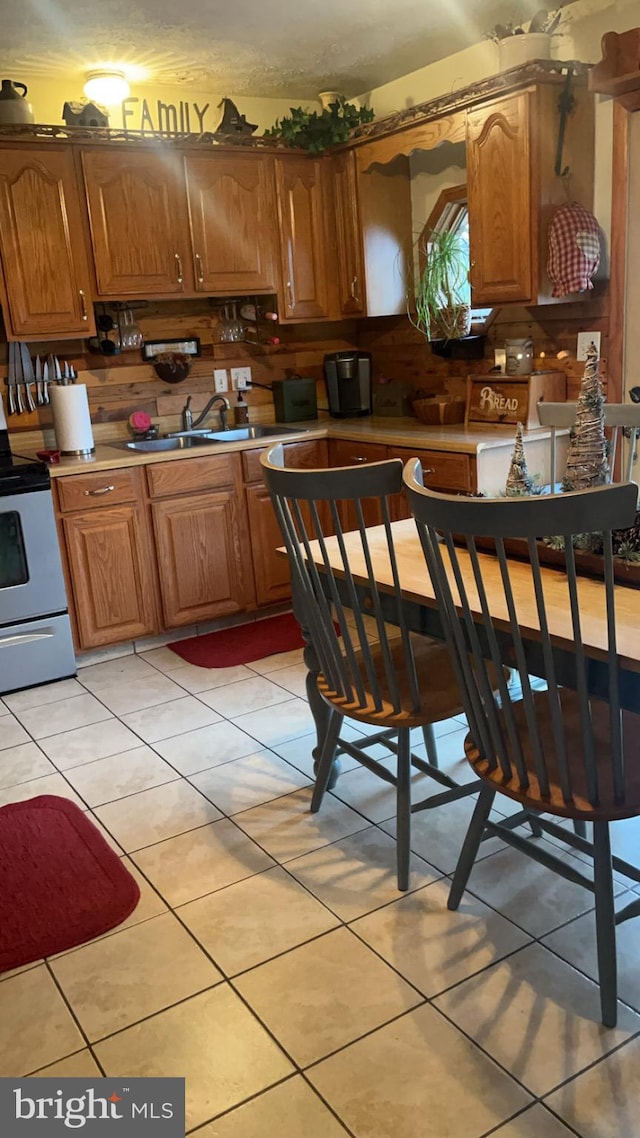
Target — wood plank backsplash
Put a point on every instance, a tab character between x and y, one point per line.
119	385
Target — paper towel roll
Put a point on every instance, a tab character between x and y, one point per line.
71	418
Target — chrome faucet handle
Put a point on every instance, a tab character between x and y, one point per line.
187	415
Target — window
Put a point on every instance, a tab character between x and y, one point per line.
451	213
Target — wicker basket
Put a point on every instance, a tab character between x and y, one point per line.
435	412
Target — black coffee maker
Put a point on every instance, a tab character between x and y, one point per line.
348	376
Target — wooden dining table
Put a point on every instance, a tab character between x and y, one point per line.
422	616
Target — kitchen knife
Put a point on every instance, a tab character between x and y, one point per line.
27	374
39	382
66	375
45	382
17	366
11	382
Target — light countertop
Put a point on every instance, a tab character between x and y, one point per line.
403	432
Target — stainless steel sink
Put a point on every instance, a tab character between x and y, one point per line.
184	440
242	434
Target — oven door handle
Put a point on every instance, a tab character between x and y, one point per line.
25	637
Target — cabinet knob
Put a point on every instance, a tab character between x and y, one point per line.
428	470
99	492
178	260
83	304
199	272
354	285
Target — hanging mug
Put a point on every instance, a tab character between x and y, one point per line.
519	356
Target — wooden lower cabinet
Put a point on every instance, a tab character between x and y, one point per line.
202	542
111	566
342	452
201	559
441	470
270	570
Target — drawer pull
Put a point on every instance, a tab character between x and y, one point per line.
98	493
292	299
354	295
428	470
357	458
178	260
199	271
83	304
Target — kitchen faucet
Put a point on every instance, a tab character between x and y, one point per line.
188	423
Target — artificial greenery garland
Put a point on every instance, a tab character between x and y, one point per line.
315	132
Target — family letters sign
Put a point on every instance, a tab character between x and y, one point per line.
156	117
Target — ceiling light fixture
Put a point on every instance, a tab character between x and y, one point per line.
106	87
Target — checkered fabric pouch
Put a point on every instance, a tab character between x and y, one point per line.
574	249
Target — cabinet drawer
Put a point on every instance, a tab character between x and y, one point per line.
345	453
303	456
109	488
215	472
441	469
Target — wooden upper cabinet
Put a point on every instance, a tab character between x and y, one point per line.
349	265
499	185
303	238
232	209
513	190
138	218
43	244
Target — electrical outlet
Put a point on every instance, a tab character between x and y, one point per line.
240	378
221	379
584	339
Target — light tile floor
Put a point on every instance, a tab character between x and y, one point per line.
271	960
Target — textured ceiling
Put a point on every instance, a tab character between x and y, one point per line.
245	47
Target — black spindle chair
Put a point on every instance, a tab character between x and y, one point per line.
395	683
559	751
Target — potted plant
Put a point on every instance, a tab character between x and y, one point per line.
443	295
316	132
518	45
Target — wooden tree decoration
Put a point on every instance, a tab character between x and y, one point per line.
519	481
587	455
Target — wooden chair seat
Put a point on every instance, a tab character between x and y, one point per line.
579	805
439	691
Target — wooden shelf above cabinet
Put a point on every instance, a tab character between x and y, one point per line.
618	72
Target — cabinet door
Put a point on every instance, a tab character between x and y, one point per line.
111	567
303	244
350	264
139	227
344	453
201	556
232	208
499	184
42	241
441	470
270	569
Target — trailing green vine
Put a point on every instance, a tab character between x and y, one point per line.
315	132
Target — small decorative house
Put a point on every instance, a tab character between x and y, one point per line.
84	114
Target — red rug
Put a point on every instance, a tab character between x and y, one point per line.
60	883
241	644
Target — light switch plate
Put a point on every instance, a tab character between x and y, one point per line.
240	378
221	379
584	339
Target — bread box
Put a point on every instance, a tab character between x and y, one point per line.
512	399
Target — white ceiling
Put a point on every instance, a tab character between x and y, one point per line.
245	47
